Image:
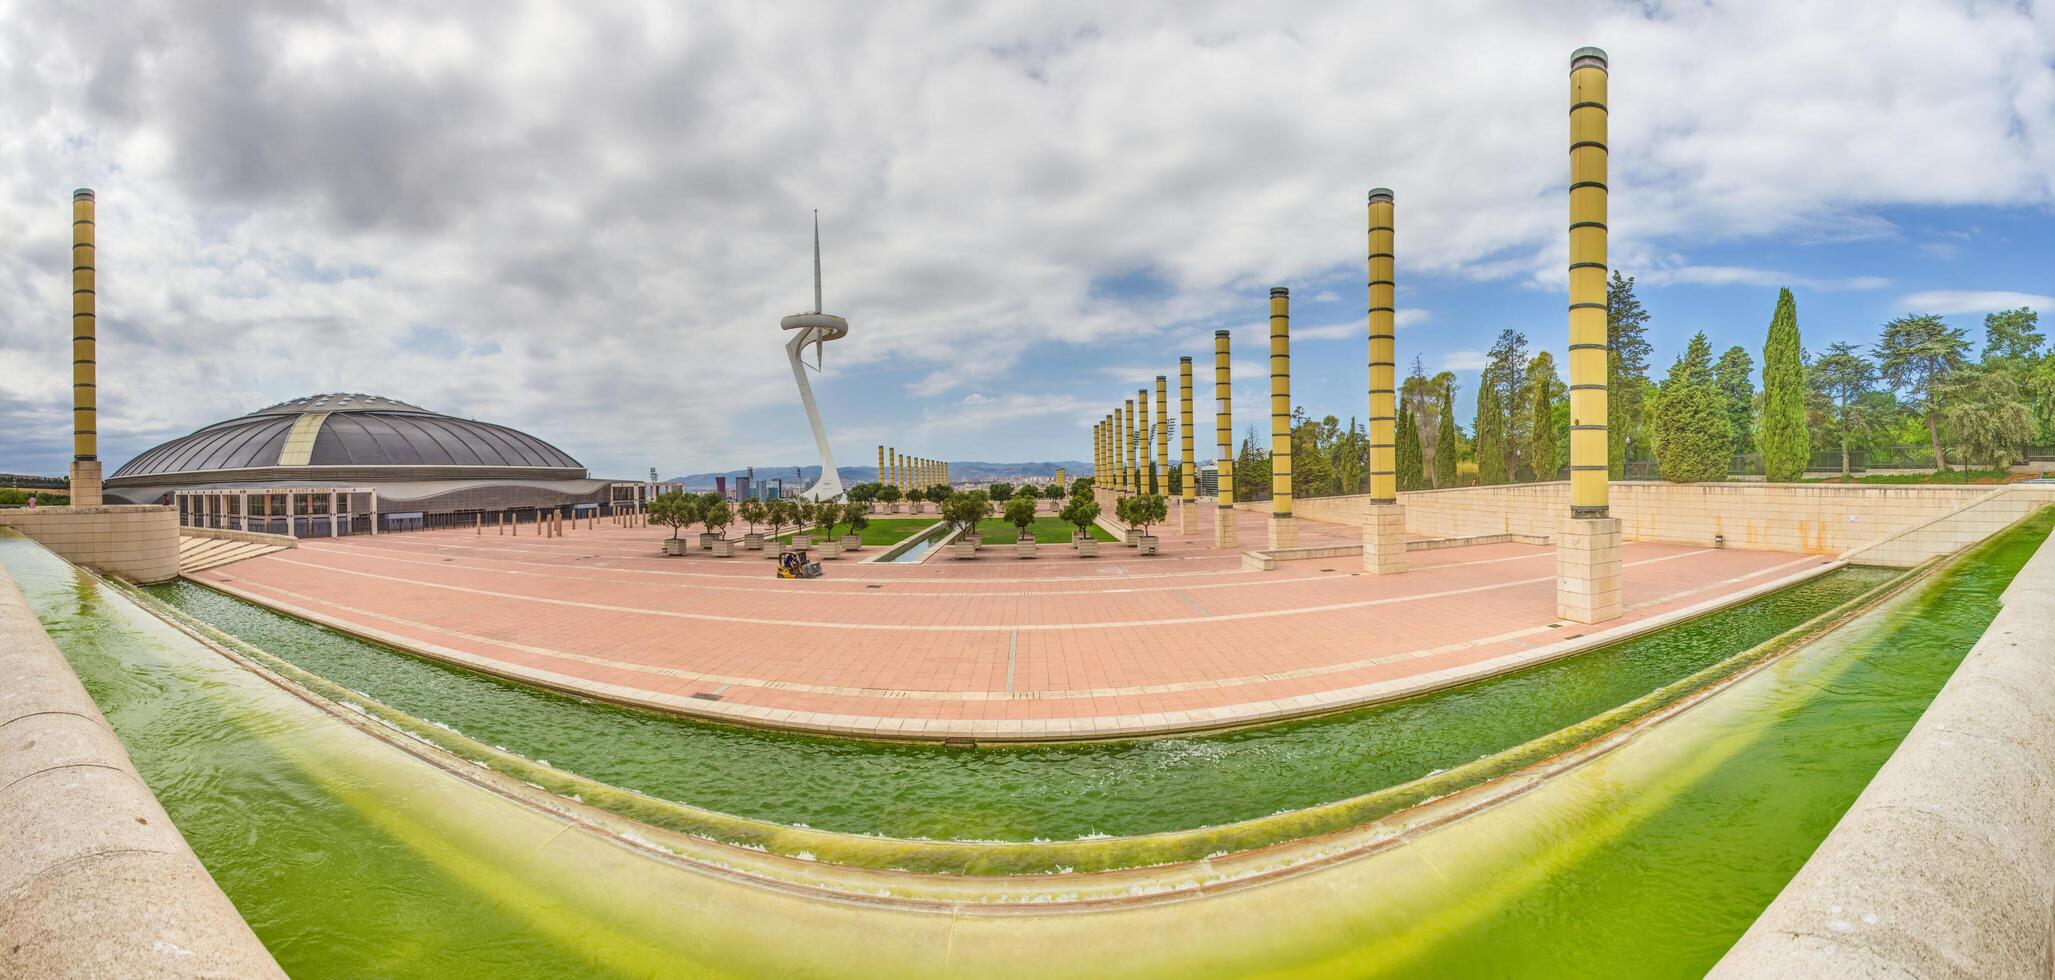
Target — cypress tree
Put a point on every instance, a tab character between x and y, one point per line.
1626	327
1785	443
1693	439
1734	376
1541	407
1445	443
1408	451
1490	448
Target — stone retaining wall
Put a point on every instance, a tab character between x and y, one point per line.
229	534
1945	865
94	879
138	542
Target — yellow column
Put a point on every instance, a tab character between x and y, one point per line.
1384	525
1225	531
884	475
1141	440
1127	446
1283	533
1588	561
85	401
1162	434
1187	466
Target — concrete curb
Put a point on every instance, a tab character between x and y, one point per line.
94	879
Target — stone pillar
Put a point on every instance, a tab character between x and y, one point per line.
1284	533
85	399
1142	441
1588	562
1125	433
1384	527
1162	435
1187	468
1226	530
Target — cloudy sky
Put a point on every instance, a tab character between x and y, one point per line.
586	219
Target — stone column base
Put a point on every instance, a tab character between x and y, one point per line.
85	483
1384	539
1226	530
1187	517
1588	570
1284	532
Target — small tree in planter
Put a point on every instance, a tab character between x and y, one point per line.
803	512
1000	493
890	495
1144	510
964	511
856	514
1020	512
777	514
752	512
706	503
717	516
675	511
1080	512
1124	511
827	515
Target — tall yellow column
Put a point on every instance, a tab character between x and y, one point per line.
1283	532
884	475
1123	435
1162	435
1588	563
1226	533
1142	440
1187	466
1384	526
85	400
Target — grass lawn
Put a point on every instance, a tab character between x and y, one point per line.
1047	529
1988	477
882	530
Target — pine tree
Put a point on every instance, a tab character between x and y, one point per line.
1544	389
1491	436
1785	443
1508	370
1693	441
1408	451
1734	376
1445	442
1626	330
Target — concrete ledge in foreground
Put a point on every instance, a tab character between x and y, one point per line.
1945	865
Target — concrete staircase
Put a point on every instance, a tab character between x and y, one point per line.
197	554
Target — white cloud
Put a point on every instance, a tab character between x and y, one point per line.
1974	301
1734	275
1464	360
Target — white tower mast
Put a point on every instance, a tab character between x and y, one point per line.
815	328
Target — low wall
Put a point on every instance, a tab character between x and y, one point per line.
227	534
94	879
1945	865
1825	519
138	542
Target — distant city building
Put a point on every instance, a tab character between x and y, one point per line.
1209	480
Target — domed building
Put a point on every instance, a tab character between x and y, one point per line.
351	463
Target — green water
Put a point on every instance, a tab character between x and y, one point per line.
353	860
1022	793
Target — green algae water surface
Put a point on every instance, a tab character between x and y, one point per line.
1023	793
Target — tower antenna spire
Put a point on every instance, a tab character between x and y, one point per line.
817	260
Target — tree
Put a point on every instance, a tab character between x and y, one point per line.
1917	354
1627	362
1426	397
1507	369
1843	375
717	516
1786	446
1407	453
1082	486
1734	378
1080	512
1544	391
1251	469
1000	492
1987	416
1490	448
674	510
2012	335
890	494
863	493
1142	510
1020	512
777	514
856	514
963	511
1693	443
752	512
1445	440
827	516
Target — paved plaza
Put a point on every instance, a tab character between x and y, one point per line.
996	648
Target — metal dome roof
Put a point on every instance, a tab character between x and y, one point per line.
346	430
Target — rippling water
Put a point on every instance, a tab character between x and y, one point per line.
1022	793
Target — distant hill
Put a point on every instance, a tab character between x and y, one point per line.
959	472
28	480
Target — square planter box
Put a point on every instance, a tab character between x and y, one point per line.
1087	548
802	540
891	508
752	542
916	508
674	546
852	542
830	549
1024	549
1131	536
706	542
724	548
1146	544
963	549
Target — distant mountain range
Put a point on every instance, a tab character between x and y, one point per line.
959	472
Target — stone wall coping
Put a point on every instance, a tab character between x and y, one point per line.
231	534
1945	865
95	881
